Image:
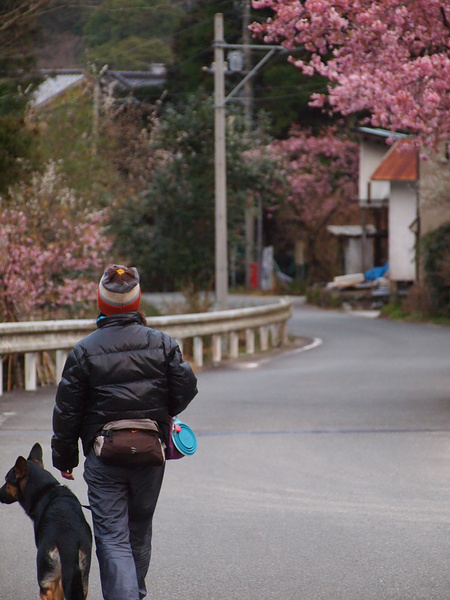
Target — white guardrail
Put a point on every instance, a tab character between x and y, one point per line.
32	337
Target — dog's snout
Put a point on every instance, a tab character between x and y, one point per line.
8	494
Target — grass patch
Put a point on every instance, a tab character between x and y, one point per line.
396	312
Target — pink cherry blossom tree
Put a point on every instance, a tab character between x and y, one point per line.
51	250
321	174
389	58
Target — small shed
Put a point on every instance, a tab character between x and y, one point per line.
356	246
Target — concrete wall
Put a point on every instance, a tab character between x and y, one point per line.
434	192
402	215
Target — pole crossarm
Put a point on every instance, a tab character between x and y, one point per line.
225	46
249	75
271	51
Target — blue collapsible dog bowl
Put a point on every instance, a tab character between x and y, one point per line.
184	438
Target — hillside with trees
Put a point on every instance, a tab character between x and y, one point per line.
137	167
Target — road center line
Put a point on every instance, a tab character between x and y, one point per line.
321	432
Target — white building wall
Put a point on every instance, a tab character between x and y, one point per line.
402	214
371	154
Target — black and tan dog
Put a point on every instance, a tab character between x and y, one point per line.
62	534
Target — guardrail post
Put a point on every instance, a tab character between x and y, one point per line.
1	375
264	338
217	347
274	331
250	341
234	344
61	357
198	351
30	371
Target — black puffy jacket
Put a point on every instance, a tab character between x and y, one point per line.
123	370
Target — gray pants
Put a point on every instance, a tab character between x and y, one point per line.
123	500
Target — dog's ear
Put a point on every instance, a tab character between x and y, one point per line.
21	468
36	454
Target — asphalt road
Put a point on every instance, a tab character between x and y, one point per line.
320	474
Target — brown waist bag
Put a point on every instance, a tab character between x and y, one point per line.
130	442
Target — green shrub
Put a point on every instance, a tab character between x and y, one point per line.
323	297
436	261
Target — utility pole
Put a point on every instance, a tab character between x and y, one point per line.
248	90
220	167
220	101
248	113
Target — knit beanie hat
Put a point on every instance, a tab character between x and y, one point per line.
119	290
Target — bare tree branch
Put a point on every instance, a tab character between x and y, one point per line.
23	12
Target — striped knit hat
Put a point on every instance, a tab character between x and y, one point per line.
119	290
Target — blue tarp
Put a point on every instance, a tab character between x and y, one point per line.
376	272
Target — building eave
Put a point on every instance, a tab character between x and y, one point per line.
401	163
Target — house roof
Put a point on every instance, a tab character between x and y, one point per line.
401	163
53	86
57	81
129	80
382	133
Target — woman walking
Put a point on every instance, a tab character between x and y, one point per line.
122	371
